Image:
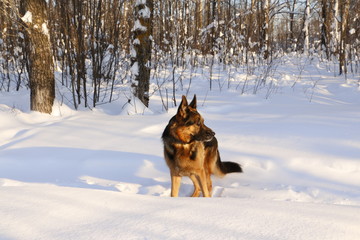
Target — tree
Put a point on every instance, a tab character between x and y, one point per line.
325	27
266	26
78	19
335	31
344	14
141	56
306	28
41	66
292	39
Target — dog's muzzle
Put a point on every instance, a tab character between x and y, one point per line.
209	135
206	135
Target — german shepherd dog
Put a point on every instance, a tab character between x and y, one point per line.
191	149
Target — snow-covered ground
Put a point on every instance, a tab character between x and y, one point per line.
100	174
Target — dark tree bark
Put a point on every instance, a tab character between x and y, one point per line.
344	13
292	22
80	51
266	28
41	65
325	28
142	44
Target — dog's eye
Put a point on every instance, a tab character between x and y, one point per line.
189	123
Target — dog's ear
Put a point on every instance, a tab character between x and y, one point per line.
183	108
193	103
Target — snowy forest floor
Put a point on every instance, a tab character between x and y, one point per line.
100	173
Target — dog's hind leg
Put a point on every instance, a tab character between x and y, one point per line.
195	181
203	183
209	182
175	185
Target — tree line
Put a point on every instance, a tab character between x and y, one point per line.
95	45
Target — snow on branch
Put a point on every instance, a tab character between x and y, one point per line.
145	12
138	26
27	18
140	2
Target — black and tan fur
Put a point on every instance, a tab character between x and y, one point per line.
191	149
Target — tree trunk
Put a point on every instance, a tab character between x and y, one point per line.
41	71
306	28
142	50
325	28
344	12
80	51
251	29
335	32
292	39
266	26
198	23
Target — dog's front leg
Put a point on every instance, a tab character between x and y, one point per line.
203	183
175	185
195	181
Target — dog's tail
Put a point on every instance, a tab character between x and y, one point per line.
226	167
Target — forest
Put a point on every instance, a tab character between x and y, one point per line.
92	48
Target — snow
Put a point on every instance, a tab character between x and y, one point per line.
135	69
45	29
138	26
27	18
136	41
133	52
95	214
140	2
100	174
145	12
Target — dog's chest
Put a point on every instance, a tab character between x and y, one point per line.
188	154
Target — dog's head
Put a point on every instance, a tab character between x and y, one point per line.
190	125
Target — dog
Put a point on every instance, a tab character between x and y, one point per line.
191	149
